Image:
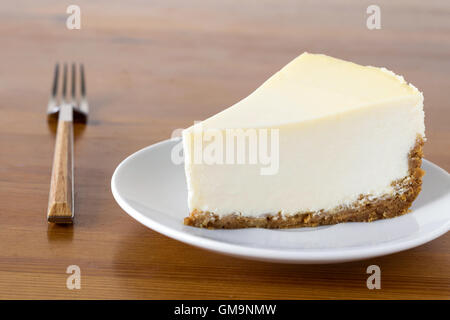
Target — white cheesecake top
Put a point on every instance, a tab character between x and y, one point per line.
315	86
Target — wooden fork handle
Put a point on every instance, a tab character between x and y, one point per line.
60	203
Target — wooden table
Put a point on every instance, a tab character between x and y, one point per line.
156	66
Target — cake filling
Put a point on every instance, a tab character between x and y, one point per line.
367	208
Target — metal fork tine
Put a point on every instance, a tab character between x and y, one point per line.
64	89
84	106
73	83
83	84
55	81
52	107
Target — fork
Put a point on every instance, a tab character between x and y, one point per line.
65	110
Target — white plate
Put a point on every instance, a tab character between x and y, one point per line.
152	190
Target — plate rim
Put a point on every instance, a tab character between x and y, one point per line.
286	256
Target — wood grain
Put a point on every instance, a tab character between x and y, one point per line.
60	203
153	67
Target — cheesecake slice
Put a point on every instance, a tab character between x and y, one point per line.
323	141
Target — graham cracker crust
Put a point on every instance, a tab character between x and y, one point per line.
364	209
